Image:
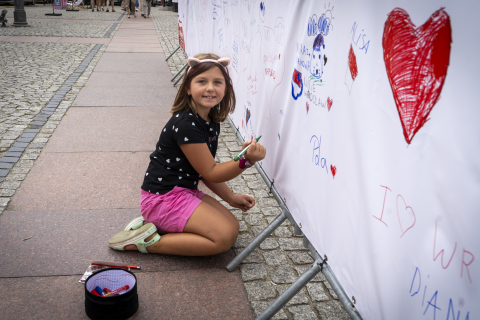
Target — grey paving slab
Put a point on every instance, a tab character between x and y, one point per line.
131	62
89	180
134	47
127	89
195	294
59	242
109	129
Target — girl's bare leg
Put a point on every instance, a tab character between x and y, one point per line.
207	232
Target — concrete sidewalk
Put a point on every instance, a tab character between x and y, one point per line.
85	186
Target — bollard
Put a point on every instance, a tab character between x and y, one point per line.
19	15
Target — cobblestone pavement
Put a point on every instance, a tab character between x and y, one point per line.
30	75
38	12
281	258
79	29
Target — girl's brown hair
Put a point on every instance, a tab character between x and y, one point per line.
183	101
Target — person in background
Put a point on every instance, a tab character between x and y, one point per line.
130	8
147	6
112	2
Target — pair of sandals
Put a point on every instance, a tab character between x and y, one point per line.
135	233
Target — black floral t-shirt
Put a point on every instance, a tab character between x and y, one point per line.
168	166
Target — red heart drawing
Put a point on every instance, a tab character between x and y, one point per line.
334	170
416	60
352	63
308	107
329	103
404	211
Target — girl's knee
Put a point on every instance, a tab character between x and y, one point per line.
227	239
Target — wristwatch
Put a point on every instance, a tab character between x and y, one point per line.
244	163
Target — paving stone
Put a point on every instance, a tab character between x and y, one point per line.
317	292
331	310
302	313
9	159
243	226
238	181
20	145
253	272
4	202
12	185
29	134
242	190
24	139
283	232
4	173
259	290
243	240
283	274
290	244
254	257
271	211
16	177
257	230
6	192
256	184
330	290
301	270
275	257
267	202
4	165
269	243
300	257
299	298
260	193
260	306
255	219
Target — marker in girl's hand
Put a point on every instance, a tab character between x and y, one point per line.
242	153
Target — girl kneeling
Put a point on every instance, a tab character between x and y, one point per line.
177	218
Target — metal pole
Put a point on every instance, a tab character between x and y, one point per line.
256	242
178	80
19	15
173	52
332	279
291	291
53	6
176	74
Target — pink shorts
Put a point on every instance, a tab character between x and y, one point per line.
170	212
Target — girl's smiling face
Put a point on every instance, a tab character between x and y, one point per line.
207	90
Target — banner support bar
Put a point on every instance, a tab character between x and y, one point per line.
257	241
282	300
173	52
176	74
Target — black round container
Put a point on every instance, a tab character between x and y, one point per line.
113	307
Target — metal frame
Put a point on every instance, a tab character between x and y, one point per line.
320	264
179	71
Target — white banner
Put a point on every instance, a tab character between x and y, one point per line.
369	115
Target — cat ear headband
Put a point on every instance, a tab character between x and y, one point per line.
224	62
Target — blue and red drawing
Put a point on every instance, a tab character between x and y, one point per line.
297	84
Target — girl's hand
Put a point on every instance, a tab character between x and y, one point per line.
242	202
256	152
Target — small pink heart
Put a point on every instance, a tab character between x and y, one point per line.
334	170
308	107
404	215
329	103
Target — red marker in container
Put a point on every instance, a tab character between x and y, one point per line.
124	288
